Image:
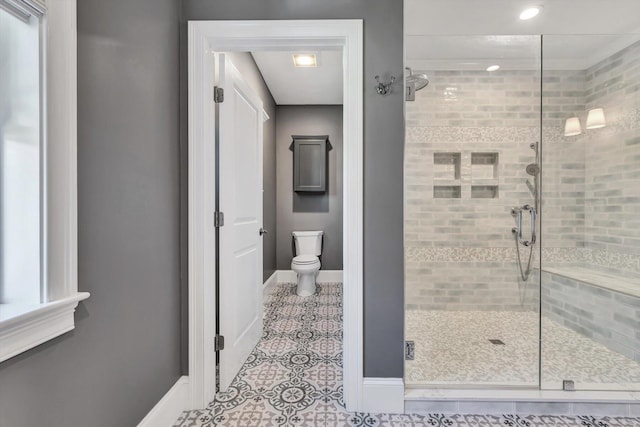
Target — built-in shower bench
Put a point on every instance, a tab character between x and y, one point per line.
596	304
597	278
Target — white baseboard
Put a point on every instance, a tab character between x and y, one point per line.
324	276
270	283
286	276
383	395
169	408
330	276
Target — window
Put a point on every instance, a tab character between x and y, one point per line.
38	225
20	150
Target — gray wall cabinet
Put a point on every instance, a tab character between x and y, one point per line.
310	163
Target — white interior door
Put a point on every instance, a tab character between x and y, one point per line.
240	198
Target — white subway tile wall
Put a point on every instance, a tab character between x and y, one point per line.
460	249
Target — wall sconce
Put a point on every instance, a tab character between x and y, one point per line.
595	119
384	88
572	127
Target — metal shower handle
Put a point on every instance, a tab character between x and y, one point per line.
517	212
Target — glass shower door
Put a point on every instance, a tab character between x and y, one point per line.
471	186
591	199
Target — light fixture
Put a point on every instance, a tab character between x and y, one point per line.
493	67
595	119
529	13
304	60
572	127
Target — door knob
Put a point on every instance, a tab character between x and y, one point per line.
262	231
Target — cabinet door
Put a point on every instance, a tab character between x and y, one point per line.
310	165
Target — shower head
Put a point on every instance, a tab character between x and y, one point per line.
419	81
533	169
414	82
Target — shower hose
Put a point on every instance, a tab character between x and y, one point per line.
524	274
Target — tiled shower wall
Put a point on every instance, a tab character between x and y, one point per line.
612	173
460	250
460	253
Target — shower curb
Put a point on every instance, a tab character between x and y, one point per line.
534	402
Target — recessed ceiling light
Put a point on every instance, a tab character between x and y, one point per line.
529	13
304	60
493	67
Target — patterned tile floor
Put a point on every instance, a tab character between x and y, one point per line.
452	347
294	378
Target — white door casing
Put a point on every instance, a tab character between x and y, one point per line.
204	38
240	199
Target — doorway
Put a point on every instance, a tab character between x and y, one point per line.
206	38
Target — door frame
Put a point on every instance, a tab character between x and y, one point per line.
205	38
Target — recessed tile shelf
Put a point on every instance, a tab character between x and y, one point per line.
446	165
484	165
484	191
447	192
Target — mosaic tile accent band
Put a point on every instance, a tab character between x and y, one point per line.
605	259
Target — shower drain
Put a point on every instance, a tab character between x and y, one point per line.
496	342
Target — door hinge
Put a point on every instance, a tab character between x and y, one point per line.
218	94
409	350
219	342
218	219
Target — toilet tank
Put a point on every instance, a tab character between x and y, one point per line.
308	242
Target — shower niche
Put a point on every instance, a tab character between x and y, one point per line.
446	175
480	169
484	175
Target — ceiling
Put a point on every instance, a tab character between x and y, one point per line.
473	34
436	32
290	85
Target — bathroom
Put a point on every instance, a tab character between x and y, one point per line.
304	102
300	236
522	157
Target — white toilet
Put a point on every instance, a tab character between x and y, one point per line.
306	263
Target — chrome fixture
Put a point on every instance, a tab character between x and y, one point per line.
384	88
414	82
532	169
517	214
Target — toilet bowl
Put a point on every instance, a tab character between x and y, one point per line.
306	267
306	263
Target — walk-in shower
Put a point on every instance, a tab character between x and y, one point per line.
522	244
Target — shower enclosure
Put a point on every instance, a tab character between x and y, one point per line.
522	193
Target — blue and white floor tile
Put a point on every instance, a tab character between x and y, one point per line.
294	378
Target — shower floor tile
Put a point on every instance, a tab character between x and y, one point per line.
454	348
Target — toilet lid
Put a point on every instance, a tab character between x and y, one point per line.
305	259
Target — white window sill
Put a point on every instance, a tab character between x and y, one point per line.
25	326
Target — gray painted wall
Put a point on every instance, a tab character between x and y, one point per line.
125	351
383	155
244	62
309	120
